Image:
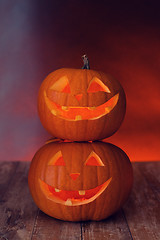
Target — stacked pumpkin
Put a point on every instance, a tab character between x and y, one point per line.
79	178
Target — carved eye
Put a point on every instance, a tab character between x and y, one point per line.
97	85
62	85
57	160
93	160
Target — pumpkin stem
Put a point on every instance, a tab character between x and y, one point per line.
86	62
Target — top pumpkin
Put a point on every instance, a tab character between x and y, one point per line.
81	104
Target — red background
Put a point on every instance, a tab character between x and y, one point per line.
120	37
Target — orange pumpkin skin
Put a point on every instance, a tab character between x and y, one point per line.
81	104
80	181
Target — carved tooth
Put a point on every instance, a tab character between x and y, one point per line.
57	190
65	108
91	108
78	117
108	109
82	192
53	112
68	202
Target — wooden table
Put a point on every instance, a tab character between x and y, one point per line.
21	219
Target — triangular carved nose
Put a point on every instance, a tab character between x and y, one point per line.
78	96
74	176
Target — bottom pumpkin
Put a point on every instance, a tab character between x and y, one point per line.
80	181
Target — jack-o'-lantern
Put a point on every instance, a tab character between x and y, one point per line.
81	104
80	181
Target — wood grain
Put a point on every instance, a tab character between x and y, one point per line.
7	170
20	219
142	210
47	228
113	228
17	210
152	175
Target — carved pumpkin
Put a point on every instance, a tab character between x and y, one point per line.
80	181
81	105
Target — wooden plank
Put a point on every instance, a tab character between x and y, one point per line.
113	228
48	228
142	210
151	172
17	210
7	170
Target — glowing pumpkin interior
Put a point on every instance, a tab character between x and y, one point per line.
73	197
78	112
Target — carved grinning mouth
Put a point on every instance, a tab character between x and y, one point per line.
72	198
81	113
